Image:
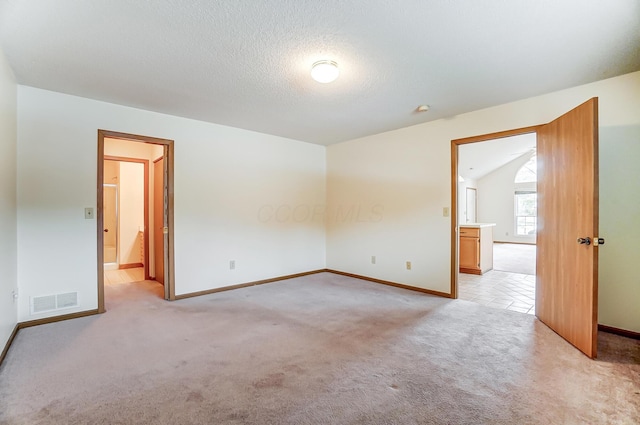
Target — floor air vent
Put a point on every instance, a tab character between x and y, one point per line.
53	302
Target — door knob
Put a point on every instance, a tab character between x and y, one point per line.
584	241
106	230
598	241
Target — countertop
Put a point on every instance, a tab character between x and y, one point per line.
478	225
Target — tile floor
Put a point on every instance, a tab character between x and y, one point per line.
115	277
504	290
129	283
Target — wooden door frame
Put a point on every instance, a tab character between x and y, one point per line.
155	225
454	191
168	154
145	163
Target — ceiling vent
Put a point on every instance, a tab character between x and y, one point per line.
47	303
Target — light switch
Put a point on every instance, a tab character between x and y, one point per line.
445	212
88	213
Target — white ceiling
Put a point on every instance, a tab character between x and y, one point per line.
246	63
476	160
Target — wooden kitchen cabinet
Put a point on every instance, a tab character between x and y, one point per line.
476	248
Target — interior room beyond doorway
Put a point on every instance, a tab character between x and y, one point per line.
128	209
502	289
120	276
497	219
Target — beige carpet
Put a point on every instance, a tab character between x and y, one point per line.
322	349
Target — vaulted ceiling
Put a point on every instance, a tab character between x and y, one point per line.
476	160
246	63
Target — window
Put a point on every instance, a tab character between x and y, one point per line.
526	198
526	211
528	172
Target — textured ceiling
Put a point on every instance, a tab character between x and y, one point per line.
246	63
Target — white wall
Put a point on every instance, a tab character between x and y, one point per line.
620	223
227	184
8	223
394	185
406	174
131	212
496	193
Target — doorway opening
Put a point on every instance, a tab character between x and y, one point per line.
126	213
497	222
135	214
566	223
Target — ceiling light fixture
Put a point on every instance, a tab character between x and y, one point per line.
325	71
423	108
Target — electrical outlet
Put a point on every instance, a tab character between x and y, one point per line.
88	213
408	265
373	259
232	264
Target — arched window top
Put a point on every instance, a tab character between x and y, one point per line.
528	172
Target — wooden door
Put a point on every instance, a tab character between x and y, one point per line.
158	219
567	271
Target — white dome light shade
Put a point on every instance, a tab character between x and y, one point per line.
325	71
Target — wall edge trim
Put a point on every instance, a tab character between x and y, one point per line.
130	266
53	319
395	284
247	284
9	342
37	322
618	331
